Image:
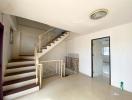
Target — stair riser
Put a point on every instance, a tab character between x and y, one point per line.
20	69
20	84
20	63
19	94
24	57
13	77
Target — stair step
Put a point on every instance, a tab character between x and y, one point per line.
18	76
19	80
19	83
21	93
19	69
20	66
19	63
49	44
26	57
44	47
21	72
20	89
20	60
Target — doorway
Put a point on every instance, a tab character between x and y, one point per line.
100	55
1	47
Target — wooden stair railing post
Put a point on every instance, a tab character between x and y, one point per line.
61	68
64	68
56	66
40	43
40	75
36	65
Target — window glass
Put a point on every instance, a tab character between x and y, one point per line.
105	50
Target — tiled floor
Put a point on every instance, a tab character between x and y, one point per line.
77	87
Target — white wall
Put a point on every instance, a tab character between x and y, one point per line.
8	22
121	55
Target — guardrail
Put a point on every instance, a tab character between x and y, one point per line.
59	66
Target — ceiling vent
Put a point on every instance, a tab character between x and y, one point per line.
98	14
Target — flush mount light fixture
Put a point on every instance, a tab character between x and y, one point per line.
98	14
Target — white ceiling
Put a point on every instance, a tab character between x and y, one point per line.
33	24
72	15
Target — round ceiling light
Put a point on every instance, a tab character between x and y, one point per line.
98	14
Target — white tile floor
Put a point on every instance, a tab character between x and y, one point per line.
77	87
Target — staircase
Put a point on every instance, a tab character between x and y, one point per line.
22	75
20	79
54	42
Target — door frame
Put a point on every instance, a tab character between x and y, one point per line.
109	57
1	46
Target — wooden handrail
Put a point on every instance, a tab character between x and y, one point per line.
40	75
36	64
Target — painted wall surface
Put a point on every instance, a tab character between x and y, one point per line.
120	42
8	22
25	38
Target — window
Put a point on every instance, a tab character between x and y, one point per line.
105	51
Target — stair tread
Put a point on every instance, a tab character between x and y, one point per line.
20	60
20	89
44	47
21	72
26	55
20	66
18	80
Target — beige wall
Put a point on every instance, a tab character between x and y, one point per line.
28	38
121	64
8	22
25	39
